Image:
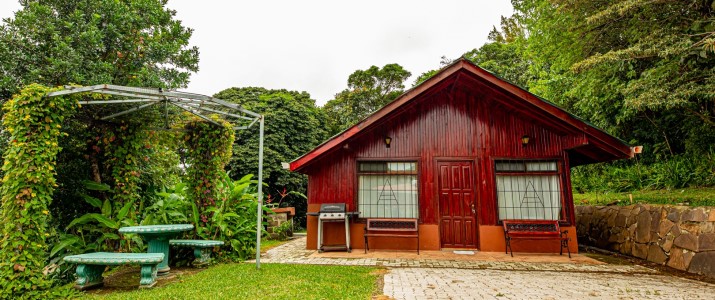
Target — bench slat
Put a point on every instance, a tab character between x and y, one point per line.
196	243
113	259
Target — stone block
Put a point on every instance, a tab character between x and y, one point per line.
676	260
706	242
616	238
665	226
642	233
654	218
611	221
703	263
640	250
654	238
694	215
687	241
667	243
687	257
632	229
711	216
707	227
627	248
675	231
621	220
674	214
656	254
691	227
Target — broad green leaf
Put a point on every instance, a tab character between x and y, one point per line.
92	201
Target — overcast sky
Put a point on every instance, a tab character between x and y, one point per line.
314	46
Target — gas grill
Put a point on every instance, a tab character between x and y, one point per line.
334	212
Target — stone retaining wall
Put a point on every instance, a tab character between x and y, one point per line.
677	236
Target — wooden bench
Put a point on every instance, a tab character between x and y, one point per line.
90	267
202	249
397	228
535	230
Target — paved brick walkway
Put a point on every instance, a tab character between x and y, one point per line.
465	279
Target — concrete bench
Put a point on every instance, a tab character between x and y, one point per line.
90	267
202	249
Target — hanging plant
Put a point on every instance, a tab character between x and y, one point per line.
209	150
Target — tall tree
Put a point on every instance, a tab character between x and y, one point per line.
641	69
368	90
293	126
130	42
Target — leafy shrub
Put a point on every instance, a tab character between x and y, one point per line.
283	231
680	171
233	220
169	206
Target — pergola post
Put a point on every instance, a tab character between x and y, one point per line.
259	209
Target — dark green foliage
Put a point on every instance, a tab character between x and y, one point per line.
680	171
368	90
639	69
209	150
57	42
33	122
233	220
293	126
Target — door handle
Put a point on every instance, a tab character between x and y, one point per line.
474	210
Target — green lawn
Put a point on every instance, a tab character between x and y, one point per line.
273	281
688	196
270	244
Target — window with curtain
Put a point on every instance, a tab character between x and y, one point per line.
387	190
529	190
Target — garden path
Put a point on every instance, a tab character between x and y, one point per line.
434	278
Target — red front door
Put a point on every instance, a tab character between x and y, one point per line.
457	204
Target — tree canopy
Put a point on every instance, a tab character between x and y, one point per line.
57	42
368	90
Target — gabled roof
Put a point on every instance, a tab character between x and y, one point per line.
595	139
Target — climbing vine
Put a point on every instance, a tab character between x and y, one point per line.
209	150
33	122
126	150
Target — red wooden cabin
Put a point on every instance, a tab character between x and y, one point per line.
467	149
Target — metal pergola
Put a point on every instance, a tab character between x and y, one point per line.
196	104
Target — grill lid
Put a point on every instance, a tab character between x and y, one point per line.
332	208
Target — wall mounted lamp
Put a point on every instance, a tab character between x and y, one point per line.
525	140
388	140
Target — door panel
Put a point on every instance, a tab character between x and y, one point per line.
456	199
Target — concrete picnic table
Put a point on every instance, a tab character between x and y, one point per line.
158	237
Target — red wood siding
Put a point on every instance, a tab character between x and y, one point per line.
460	122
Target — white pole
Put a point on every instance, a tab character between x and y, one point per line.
259	209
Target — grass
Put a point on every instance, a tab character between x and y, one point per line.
687	196
272	281
270	244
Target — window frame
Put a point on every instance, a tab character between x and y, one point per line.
563	214
356	197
